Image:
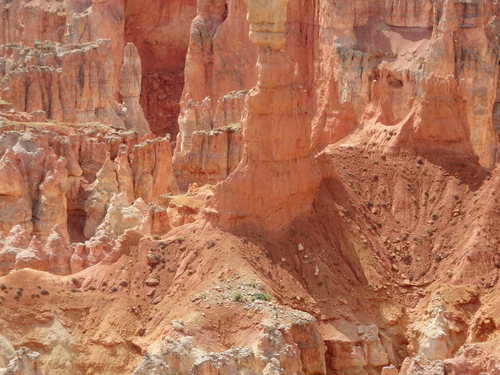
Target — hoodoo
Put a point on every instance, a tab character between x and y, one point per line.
277	177
244	187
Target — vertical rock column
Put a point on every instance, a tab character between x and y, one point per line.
277	177
130	90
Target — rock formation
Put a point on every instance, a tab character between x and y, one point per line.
295	348
130	90
62	187
271	187
25	362
276	135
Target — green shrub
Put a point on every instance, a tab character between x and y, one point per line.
237	296
261	296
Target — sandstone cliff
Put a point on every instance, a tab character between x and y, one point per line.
249	187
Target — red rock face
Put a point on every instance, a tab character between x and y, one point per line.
160	31
276	137
326	202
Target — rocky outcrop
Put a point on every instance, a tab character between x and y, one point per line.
361	348
73	83
276	135
63	186
219	70
397	45
350	174
161	33
25	362
16	210
211	156
130	90
68	83
121	216
295	348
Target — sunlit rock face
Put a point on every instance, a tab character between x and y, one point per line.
245	187
277	176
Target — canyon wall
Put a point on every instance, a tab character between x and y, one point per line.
249	187
356	53
160	32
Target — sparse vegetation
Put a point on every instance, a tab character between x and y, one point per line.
237	296
261	296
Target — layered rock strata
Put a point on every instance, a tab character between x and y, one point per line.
391	104
276	136
354	45
72	84
219	70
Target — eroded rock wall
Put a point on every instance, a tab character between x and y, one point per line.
266	92
69	185
352	49
159	31
61	83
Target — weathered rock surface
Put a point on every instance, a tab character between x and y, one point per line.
63	184
296	348
25	362
400	47
73	83
340	158
68	83
161	33
277	137
130	90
